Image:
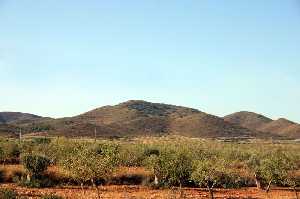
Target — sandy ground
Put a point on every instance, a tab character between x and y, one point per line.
140	192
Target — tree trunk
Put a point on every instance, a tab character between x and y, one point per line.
296	194
257	181
28	178
181	192
97	189
268	187
98	192
211	192
155	180
82	189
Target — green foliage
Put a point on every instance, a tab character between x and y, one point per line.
132	155
151	151
9	151
39	128
35	164
8	194
173	161
172	167
2	156
207	173
276	166
272	166
108	150
41	140
87	164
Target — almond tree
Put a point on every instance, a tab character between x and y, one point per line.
172	167
293	181
271	167
35	165
86	164
207	173
276	167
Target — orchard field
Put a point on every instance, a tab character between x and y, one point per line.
148	167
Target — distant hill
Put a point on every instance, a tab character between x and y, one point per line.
248	119
8	130
141	118
15	117
254	121
283	127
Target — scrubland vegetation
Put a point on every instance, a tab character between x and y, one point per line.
165	163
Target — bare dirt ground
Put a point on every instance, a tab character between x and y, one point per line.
141	192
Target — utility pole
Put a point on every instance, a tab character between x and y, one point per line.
95	134
20	135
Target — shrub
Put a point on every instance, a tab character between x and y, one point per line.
41	140
35	166
271	167
89	165
2	156
132	155
151	151
108	150
8	194
172	167
208	173
275	168
9	152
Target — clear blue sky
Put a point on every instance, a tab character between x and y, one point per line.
62	57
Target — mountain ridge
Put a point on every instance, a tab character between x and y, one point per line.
254	121
13	117
141	118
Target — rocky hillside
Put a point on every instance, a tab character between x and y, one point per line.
248	119
16	117
140	118
254	121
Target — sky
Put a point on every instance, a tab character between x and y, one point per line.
61	58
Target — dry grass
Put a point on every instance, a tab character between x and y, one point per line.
10	171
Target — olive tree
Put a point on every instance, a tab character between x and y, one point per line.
207	173
275	168
89	164
293	181
271	167
35	165
10	152
172	167
254	164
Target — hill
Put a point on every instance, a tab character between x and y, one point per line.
254	121
8	130
248	119
17	117
283	127
141	118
